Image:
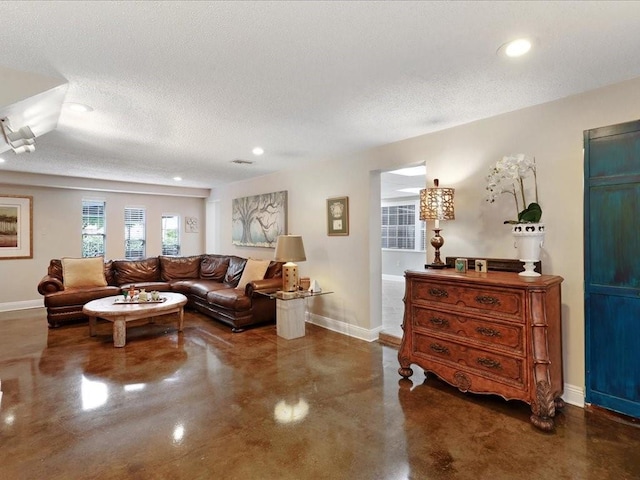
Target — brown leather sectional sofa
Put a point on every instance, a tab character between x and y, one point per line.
208	281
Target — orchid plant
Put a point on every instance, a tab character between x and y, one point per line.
508	176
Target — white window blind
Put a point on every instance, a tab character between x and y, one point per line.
93	228
170	235
402	228
134	232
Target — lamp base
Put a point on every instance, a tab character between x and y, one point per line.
290	277
436	242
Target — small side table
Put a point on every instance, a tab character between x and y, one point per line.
290	321
290	312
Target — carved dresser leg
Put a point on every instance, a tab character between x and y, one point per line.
544	407
406	372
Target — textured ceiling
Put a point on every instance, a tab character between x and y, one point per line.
184	88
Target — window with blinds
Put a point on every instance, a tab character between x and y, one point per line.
134	232
170	235
402	228
93	228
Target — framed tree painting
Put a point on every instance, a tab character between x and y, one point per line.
338	216
258	220
16	227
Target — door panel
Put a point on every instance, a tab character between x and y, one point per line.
616	373
612	267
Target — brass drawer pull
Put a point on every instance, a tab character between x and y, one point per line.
436	347
488	332
438	292
441	322
487	362
487	300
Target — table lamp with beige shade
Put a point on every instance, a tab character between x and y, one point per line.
290	249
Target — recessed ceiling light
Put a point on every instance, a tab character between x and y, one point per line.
1	160
411	171
78	107
515	48
177	179
258	151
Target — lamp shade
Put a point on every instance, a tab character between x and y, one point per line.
437	203
289	248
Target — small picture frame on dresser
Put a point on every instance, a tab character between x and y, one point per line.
461	265
481	266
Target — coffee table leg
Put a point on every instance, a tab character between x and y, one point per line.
119	332
180	319
92	326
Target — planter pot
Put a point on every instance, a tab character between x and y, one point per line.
529	238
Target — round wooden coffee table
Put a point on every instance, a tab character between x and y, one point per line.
119	312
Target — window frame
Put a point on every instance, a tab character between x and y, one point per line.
419	237
135	216
177	230
100	232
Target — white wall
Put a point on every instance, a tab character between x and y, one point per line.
460	157
57	223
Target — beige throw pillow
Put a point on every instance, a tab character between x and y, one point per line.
253	270
83	272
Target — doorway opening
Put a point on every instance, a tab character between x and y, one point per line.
402	239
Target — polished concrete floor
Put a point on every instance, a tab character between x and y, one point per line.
209	404
392	307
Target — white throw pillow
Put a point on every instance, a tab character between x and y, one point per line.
253	270
83	272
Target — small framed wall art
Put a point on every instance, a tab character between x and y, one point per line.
338	216
16	227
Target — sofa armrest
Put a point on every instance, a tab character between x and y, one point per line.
50	284
268	285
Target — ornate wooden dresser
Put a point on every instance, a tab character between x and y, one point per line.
495	332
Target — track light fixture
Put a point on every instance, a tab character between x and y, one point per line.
20	141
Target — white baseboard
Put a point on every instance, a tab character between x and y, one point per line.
24	305
393	278
573	395
344	328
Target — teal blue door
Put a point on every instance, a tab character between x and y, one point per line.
612	267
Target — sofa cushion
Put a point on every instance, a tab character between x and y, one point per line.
214	267
109	274
83	272
229	298
132	271
202	287
183	286
234	272
253	270
274	270
148	286
176	268
55	268
78	296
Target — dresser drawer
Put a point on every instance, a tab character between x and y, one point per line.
507	368
481	298
510	337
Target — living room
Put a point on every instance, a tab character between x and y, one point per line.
350	266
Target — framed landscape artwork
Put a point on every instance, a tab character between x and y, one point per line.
16	227
258	220
338	216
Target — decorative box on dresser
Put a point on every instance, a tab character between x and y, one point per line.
494	332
